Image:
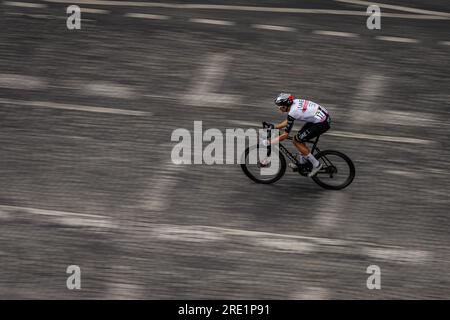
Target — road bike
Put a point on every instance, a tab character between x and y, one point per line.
338	170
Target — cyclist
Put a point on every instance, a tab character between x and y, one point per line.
317	121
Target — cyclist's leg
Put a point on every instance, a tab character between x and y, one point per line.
308	132
301	147
302	136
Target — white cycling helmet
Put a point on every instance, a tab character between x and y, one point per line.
284	99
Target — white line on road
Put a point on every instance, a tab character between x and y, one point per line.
147	16
242	8
24	4
272	27
172	96
53	105
63	217
104	89
95	11
396	39
336	33
211	74
395	7
41	16
399	255
367	94
413	16
346	134
186	233
162	185
120	289
199	233
311	293
211	21
417	119
438	171
17	81
445	43
328	209
403	173
208	81
286	243
250	233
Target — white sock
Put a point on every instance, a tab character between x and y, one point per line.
313	160
301	159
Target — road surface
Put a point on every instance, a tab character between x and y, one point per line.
86	118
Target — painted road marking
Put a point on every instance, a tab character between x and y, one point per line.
42	16
285	243
147	16
208	82
401	255
162	187
63	217
186	233
311	293
395	7
369	90
200	233
241	8
95	11
417	119
17	81
445	43
211	21
107	89
336	33
53	105
403	173
329	207
412	16
124	287
24	4
396	39
272	27
347	134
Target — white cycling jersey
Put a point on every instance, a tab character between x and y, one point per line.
308	111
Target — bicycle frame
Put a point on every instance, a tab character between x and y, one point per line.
286	152
291	157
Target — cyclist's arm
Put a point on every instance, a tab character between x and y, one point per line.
288	123
281	125
281	137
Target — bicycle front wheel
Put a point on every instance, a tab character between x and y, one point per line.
253	166
337	172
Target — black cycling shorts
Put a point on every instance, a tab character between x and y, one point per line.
311	130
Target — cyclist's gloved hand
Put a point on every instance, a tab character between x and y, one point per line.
269	125
265	142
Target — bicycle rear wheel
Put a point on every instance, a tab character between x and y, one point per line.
253	170
338	170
